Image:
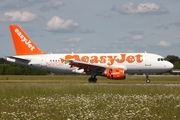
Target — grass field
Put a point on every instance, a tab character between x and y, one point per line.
65	97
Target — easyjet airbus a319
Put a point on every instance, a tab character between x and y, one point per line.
114	66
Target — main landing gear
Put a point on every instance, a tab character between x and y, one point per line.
147	78
92	79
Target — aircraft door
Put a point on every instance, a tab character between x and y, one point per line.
148	60
43	62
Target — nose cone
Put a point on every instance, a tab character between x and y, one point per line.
170	66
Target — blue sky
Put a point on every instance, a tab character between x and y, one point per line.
93	26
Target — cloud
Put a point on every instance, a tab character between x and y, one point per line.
21	4
74	40
162	27
136	32
145	8
15	5
86	31
137	37
54	5
124	41
69	50
105	14
176	23
164	44
57	4
59	25
17	16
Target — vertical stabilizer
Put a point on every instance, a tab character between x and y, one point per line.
22	43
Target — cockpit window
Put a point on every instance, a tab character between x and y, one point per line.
161	59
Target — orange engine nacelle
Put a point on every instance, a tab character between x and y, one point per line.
115	73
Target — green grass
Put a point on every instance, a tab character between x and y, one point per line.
72	97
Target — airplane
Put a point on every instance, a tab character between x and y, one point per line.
114	66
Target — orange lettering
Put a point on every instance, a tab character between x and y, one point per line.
85	59
122	58
111	60
103	59
53	64
94	59
138	58
130	59
48	63
68	57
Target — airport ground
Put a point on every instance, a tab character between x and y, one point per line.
69	97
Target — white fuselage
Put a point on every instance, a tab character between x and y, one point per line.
131	62
111	65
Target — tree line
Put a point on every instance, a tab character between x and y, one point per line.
7	68
175	60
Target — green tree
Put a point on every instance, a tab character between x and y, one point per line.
177	65
2	61
7	68
175	60
172	58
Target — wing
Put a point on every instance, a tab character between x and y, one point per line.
88	67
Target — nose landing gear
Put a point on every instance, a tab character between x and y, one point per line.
147	78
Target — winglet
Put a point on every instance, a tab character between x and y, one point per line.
22	43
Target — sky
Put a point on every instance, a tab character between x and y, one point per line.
94	26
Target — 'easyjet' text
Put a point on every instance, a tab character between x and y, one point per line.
23	39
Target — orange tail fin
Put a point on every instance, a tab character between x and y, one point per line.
22	43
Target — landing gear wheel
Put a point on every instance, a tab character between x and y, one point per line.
92	80
148	80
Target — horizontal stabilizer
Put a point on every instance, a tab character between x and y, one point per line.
15	58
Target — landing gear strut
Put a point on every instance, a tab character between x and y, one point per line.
92	79
147	78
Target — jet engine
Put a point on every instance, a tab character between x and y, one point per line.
115	73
